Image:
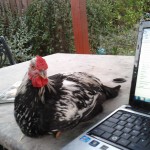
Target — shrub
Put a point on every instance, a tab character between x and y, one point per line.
49	31
113	24
52	26
13	27
46	27
20	40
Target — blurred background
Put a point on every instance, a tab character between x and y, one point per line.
44	27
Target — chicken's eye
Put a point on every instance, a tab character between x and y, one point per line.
33	67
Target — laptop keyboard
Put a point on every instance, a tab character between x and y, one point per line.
126	129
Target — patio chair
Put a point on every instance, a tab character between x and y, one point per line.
6	58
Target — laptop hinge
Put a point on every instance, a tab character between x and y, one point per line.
140	110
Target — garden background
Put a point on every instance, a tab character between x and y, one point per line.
45	26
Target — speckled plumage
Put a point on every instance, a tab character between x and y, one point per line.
61	104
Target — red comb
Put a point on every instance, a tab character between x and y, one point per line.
41	63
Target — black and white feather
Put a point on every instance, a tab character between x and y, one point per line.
61	104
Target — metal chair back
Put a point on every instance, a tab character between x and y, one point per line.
5	53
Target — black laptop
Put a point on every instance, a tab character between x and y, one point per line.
128	127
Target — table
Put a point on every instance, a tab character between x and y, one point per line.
105	67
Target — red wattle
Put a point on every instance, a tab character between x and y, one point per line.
39	82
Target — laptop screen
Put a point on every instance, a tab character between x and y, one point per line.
140	87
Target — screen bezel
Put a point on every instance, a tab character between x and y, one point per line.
132	102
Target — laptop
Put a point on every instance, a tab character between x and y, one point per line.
128	127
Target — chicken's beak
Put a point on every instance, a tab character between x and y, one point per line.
43	74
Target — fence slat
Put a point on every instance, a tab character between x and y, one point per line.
24	4
12	5
29	2
15	5
19	8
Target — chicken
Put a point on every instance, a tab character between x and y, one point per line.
59	102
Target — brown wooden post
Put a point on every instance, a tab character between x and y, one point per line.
19	8
29	2
24	5
10	5
80	26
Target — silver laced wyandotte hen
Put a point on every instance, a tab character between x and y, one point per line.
57	103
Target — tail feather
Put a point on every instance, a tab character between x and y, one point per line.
111	92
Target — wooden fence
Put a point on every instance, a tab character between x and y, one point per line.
14	5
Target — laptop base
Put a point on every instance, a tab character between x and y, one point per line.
118	131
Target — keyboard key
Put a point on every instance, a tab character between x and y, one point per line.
97	132
133	117
122	123
119	112
132	146
114	120
119	127
109	124
143	135
106	128
114	138
125	136
134	132
143	142
116	116
106	135
145	129
123	118
138	121
123	142
126	130
134	139
135	146
127	115
129	125
130	120
146	123
117	132
137	127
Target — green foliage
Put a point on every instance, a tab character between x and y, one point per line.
113	24
15	31
99	20
20	40
52	26
46	27
126	13
119	44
